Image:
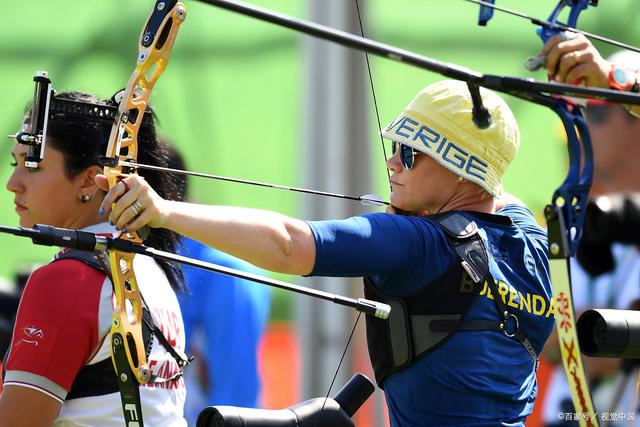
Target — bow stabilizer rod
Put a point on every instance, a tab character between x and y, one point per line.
524	88
85	241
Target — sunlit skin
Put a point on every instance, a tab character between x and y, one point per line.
429	188
48	196
277	242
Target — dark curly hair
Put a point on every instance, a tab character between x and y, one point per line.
83	139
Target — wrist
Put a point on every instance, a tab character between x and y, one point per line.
162	218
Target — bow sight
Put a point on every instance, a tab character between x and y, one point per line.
34	131
46	107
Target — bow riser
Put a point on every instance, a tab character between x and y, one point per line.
576	7
156	42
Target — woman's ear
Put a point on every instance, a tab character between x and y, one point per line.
88	179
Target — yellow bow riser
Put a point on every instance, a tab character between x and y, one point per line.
152	60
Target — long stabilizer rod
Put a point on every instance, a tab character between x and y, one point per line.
85	241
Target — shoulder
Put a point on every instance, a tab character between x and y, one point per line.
408	223
523	218
63	276
57	325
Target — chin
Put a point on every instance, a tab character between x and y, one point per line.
25	222
398	203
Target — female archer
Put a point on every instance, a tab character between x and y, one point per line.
58	370
466	273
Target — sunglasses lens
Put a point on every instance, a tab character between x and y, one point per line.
406	154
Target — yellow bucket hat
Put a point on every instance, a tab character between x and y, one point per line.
438	122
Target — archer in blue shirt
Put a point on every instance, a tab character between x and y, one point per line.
476	342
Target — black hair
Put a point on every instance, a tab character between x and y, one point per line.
83	139
175	160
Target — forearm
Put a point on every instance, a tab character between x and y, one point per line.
266	239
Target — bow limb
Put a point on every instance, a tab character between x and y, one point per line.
565	218
565	214
128	349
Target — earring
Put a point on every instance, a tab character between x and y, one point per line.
460	179
85	198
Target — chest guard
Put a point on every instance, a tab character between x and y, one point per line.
100	378
420	323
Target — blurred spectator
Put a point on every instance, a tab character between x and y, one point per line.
225	318
598	284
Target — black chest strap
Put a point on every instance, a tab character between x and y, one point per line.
413	331
100	378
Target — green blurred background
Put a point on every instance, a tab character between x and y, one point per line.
231	98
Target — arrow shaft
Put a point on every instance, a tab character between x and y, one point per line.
256	183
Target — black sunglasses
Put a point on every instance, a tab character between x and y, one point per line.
407	154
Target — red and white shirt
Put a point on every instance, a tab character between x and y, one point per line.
63	324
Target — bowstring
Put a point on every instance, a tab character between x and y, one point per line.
373	93
555	25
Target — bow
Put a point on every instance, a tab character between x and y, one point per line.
127	344
565	218
565	215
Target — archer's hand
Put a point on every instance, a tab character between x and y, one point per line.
575	60
132	204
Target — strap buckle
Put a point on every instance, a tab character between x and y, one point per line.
504	325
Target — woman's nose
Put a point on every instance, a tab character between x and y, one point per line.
13	183
393	162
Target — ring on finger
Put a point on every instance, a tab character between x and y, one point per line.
577	57
126	186
136	207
